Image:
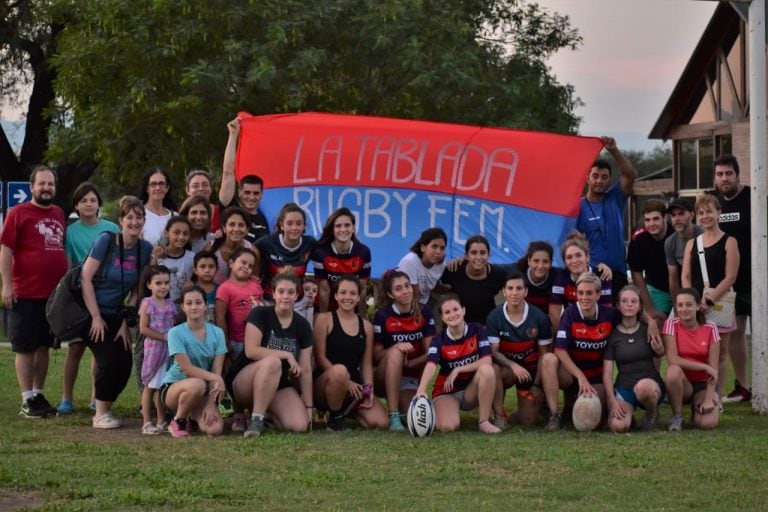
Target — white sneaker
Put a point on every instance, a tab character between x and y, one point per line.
149	428
106	421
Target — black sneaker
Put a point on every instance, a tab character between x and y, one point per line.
45	405
337	423
31	409
651	421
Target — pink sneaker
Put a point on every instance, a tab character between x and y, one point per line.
178	427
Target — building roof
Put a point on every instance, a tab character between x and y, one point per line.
721	32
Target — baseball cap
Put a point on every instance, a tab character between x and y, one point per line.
680	203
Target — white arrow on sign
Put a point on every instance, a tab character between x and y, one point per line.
20	196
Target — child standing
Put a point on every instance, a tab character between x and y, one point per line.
176	257
157	314
234	300
203	275
236	297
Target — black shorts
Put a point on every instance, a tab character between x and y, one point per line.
698	387
165	387
744	303
28	328
285	377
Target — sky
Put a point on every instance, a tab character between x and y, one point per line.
632	55
631	58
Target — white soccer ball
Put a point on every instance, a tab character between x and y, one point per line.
421	417
587	412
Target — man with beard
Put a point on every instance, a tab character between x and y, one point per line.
681	215
647	262
601	214
250	189
32	261
735	221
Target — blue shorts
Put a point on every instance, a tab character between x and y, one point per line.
628	395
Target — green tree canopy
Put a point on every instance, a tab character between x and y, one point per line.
145	83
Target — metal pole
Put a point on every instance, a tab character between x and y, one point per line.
758	157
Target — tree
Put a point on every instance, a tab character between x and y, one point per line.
145	83
29	32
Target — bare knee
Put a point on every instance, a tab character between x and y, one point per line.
446	425
338	374
549	361
674	374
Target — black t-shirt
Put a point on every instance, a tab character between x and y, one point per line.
645	253
736	221
293	338
477	296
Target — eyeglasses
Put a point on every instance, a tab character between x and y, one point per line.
157	184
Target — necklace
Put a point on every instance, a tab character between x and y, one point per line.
629	330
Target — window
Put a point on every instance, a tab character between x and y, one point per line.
696	158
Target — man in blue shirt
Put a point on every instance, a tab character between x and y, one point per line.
601	214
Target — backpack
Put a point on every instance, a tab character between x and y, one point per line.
65	310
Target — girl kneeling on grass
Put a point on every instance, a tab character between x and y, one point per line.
157	314
193	383
638	383
693	350
466	379
344	359
273	374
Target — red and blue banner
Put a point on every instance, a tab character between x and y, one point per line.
400	177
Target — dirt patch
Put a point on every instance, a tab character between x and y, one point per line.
12	500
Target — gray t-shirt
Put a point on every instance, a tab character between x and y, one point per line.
633	355
674	247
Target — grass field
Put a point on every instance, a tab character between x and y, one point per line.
64	464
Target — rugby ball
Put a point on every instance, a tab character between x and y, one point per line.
421	417
587	412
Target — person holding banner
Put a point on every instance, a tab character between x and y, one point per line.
250	190
338	253
601	215
721	256
287	247
425	262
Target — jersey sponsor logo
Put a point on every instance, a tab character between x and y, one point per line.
407	337
589	345
463	361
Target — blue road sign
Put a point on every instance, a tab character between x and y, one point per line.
18	192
